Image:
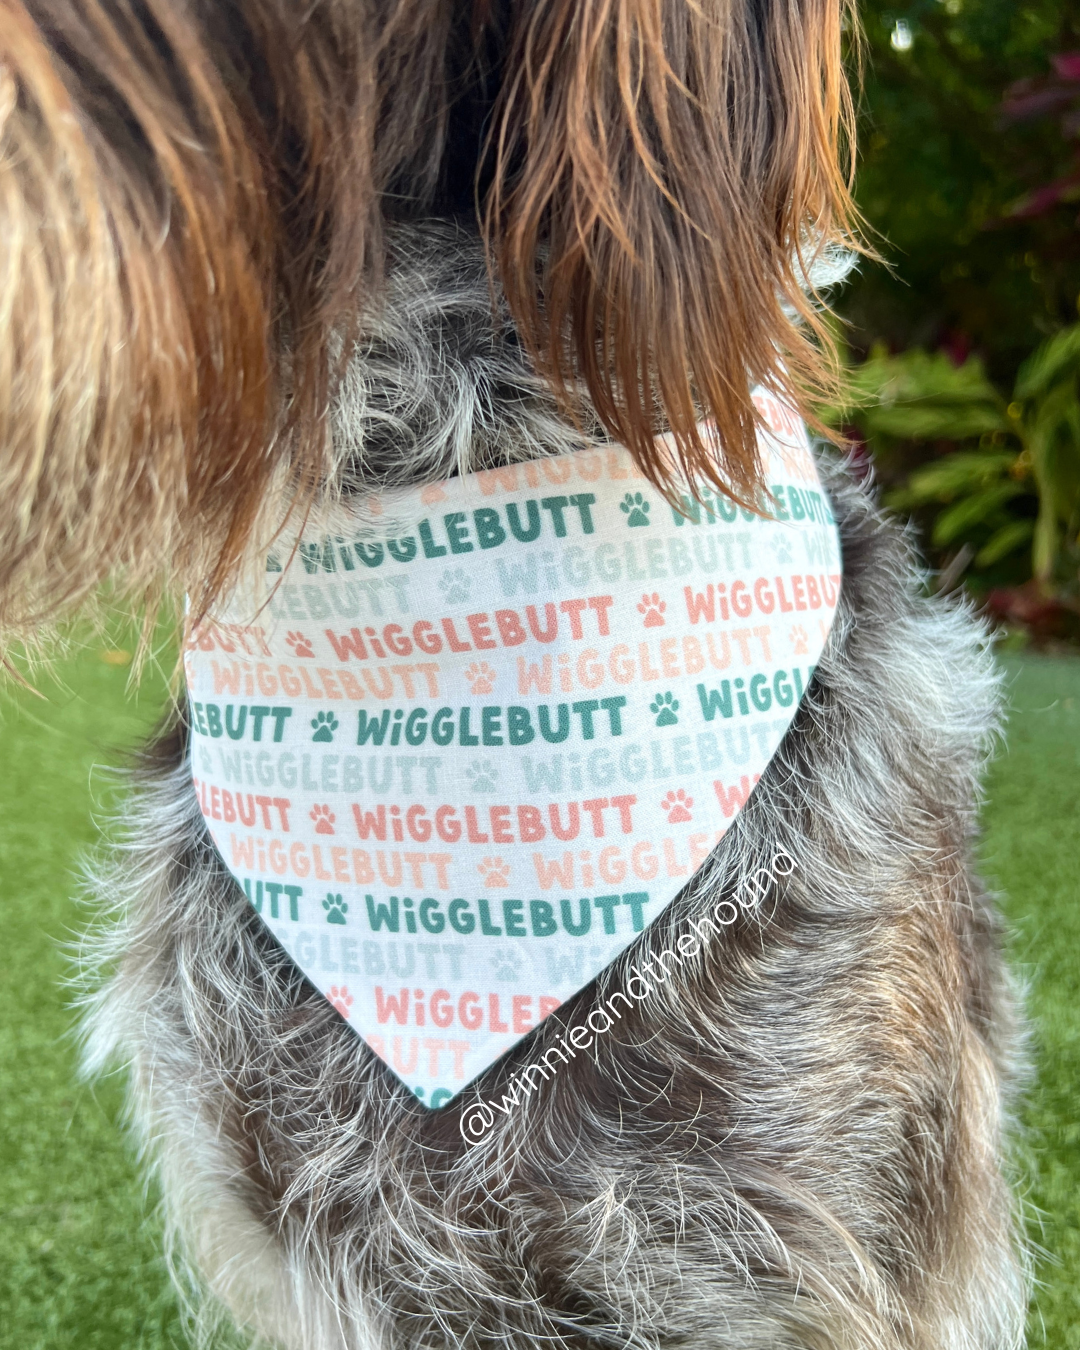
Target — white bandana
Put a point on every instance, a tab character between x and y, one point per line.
461	753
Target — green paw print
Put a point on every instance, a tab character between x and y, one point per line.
482	775
455	585
336	908
325	724
666	706
636	508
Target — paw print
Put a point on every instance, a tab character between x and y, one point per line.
324	819
482	775
506	963
636	508
665	706
335	907
653	609
481	677
433	493
799	640
325	724
455	585
300	644
495	872
341	999
677	805
782	549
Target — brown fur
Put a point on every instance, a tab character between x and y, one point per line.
192	197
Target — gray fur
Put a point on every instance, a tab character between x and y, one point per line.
794	1142
441	384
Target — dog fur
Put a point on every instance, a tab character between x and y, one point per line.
219	306
795	1141
195	197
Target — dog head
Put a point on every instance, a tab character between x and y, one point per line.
195	200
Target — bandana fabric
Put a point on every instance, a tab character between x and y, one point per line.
461	753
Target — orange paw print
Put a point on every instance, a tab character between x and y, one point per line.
300	644
481	677
677	805
341	999
324	819
653	609
799	640
495	872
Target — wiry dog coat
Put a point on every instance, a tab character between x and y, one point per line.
795	1141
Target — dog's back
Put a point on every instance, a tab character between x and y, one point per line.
795	1140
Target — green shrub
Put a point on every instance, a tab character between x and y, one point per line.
1002	480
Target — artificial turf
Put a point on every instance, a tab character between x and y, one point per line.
79	1243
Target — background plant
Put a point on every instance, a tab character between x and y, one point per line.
965	349
1005	494
951	157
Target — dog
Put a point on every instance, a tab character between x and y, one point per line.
295	258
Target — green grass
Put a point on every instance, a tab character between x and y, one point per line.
79	1246
1031	851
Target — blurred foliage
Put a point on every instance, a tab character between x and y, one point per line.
1008	494
965	383
948	162
1054	95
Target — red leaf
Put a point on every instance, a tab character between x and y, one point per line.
1046	197
1018	106
1067	65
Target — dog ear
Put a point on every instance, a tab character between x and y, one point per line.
190	209
134	369
665	172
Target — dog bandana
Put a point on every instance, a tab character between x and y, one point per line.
460	752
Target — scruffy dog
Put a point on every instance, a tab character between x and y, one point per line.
259	256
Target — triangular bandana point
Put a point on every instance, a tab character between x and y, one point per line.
459	767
